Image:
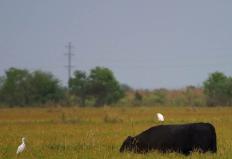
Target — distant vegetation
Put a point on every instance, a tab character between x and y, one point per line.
100	86
20	87
218	89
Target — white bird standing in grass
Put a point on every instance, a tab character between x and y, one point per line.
21	147
160	117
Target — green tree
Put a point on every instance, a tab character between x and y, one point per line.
21	88
15	87
45	88
78	86
104	87
218	89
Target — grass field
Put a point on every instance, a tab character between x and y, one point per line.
76	133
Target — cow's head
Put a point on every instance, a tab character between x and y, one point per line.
129	144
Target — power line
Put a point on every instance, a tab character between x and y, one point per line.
69	54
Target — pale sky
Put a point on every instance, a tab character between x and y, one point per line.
146	43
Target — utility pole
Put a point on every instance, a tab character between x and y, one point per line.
69	54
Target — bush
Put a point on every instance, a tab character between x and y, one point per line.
218	89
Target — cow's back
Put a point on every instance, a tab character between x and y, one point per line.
164	138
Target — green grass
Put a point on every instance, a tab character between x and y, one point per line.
97	133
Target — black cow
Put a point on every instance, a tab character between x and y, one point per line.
182	138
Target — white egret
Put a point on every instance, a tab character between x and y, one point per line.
21	147
160	117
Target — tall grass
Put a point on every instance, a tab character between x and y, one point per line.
97	133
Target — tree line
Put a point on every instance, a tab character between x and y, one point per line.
99	87
20	87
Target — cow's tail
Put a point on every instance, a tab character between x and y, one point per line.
213	145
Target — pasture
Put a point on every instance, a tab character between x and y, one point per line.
97	133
